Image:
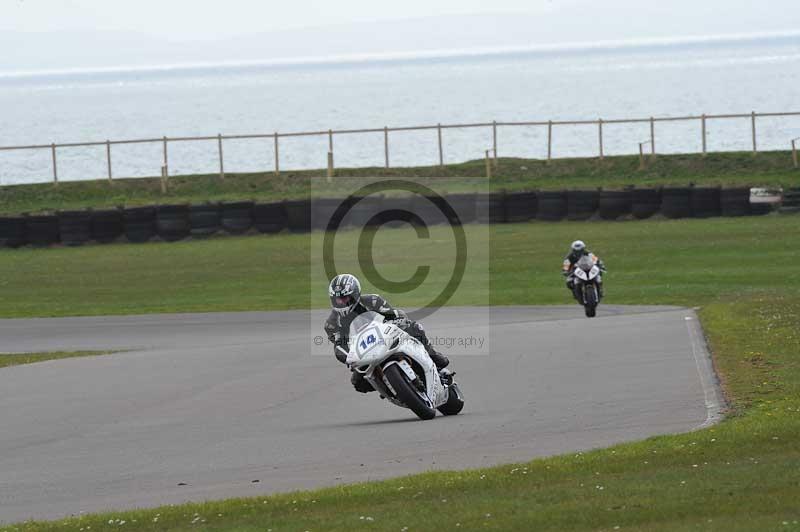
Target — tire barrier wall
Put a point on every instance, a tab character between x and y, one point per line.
176	222
204	220
172	222
140	223
521	207
107	225
735	201
270	218
705	202
614	204
582	204
645	202
42	230
552	206
12	232
75	227
298	216
237	218
676	202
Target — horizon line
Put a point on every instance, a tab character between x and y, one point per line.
412	55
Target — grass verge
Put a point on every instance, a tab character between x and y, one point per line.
18	359
724	169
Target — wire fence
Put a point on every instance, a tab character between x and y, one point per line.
494	127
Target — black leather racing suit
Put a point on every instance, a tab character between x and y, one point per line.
337	328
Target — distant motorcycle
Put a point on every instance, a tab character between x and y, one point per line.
587	275
400	369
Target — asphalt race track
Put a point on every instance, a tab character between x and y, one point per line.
218	401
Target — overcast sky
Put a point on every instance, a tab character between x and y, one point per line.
199	18
245	30
204	18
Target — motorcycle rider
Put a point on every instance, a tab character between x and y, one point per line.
348	303
578	249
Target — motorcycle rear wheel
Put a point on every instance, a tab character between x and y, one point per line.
407	394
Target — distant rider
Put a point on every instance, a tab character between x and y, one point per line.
577	251
348	303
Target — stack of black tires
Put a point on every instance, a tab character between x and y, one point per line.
171	223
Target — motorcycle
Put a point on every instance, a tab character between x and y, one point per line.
400	369
587	281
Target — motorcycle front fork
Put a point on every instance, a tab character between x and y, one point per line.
577	291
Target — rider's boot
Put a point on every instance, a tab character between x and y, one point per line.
361	384
439	359
417	331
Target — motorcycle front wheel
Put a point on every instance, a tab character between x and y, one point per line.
407	393
590	299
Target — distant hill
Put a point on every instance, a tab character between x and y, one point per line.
603	21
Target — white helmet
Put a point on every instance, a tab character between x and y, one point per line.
578	246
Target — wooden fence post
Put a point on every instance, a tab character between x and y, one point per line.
794	153
55	164
277	156
488	165
549	140
600	135
441	149
108	159
386	145
166	156
641	156
653	136
330	143
755	142
705	140
330	167
221	158
494	141
164	176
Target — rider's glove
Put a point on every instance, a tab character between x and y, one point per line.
341	354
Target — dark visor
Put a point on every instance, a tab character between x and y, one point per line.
345	301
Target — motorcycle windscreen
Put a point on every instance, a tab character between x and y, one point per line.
363	321
586	263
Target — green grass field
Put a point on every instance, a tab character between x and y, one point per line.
18	359
727	169
739	475
688	262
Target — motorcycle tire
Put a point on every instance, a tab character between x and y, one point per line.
455	401
407	394
591	301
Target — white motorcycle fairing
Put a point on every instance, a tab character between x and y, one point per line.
376	345
587	276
